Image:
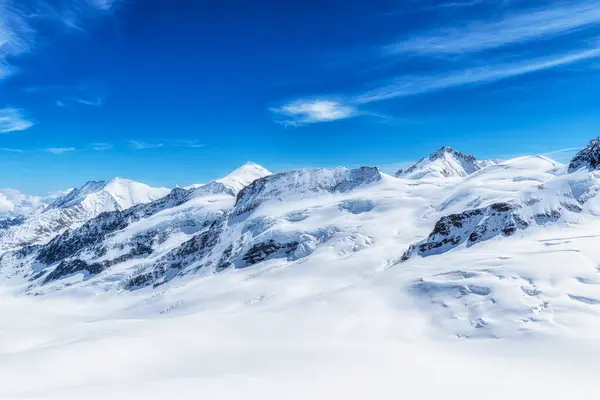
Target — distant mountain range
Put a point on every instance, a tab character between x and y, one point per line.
123	235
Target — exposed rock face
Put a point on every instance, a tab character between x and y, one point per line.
445	163
588	158
566	198
470	227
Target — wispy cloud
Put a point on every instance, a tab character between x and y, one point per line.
478	57
60	150
105	5
20	31
12	119
414	85
102	146
560	151
141	145
96	102
300	112
71	14
15	36
527	25
194	144
9	150
63	96
19	23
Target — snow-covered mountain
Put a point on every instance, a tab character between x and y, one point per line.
127	240
349	223
444	163
314	261
74	208
116	194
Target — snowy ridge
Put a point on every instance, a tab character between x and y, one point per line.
302	182
138	234
116	194
568	198
76	207
444	163
474	243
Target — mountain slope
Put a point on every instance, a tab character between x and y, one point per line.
76	207
190	230
493	254
565	198
125	238
587	158
116	194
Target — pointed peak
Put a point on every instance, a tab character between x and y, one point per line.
249	169
236	180
251	164
444	162
445	149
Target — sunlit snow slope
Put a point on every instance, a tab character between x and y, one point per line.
361	283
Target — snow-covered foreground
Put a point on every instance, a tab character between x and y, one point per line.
314	330
482	280
224	340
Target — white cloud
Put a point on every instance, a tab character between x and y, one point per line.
531	24
194	144
473	62
96	102
301	112
12	119
414	85
560	151
141	145
104	5
71	14
9	150
102	146
18	35
15	36
60	150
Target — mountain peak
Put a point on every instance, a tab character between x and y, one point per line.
119	192
444	149
443	163
243	176
588	157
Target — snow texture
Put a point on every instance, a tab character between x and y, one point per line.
363	284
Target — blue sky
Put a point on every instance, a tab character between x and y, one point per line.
174	92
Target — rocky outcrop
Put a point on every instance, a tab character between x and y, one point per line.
587	158
469	227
